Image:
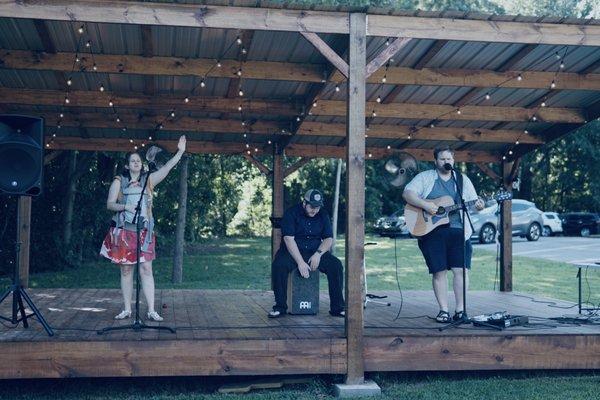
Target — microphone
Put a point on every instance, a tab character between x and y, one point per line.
448	167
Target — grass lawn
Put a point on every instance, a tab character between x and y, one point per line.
245	264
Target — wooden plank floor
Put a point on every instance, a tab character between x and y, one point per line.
227	332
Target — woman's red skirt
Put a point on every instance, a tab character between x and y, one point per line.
120	246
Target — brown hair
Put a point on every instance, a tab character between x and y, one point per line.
441	149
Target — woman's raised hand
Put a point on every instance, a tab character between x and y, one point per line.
181	144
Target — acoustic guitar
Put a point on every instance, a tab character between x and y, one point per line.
419	222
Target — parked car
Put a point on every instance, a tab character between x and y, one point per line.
527	222
392	226
552	224
580	223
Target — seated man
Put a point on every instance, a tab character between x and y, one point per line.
307	237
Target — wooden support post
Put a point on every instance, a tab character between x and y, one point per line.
177	272
23	234
355	196
506	233
278	205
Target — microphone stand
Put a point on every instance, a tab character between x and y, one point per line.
465	217
138	324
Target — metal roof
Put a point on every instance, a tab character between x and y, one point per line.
291	47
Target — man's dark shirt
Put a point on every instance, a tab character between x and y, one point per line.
308	232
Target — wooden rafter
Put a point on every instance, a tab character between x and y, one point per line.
170	66
296	166
489	172
324	108
382	58
254	161
293	150
271	128
254	18
327	52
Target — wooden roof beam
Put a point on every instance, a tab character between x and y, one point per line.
131	64
294	150
254	18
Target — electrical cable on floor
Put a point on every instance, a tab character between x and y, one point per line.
398	280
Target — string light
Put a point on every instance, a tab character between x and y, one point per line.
238	40
110	103
80	30
516	142
387	42
370	155
534	118
557	55
298	119
389	147
458	111
241	92
172	114
67	101
95	67
543	104
374	114
202	84
432	125
186	100
61	115
244	51
239	72
219	65
118	119
487	96
314	103
553	85
562	65
384	79
77	59
510	152
102	88
240	108
69	81
269	142
378	99
519	77
337	88
88	44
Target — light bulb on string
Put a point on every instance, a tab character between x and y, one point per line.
387	42
202	84
458	111
239	108
80	30
503	157
130	140
526	132
186	100
384	79
67	101
244	51
69	81
487	96
337	88
519	77
101	88
269	142
241	93
239	72
77	59
557	55
516	142
510	152
298	119
61	115
88	44
389	147
172	114
543	104
219	65
118	119
562	65
552	85
95	67
374	114
432	125
378	99
238	40
110	103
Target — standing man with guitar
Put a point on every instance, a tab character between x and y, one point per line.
434	215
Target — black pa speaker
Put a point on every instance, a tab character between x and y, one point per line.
21	155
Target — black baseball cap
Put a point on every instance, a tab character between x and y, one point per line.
314	197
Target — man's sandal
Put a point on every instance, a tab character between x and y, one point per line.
443	317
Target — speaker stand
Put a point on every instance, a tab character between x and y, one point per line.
18	294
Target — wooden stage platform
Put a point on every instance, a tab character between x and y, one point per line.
227	332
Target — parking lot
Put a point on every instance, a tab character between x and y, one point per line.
556	248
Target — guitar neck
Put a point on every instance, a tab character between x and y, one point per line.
458	206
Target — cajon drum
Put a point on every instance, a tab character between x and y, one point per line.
303	293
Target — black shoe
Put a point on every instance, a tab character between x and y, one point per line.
276	314
338	313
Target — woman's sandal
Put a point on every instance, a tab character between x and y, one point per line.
123	314
459	316
443	317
